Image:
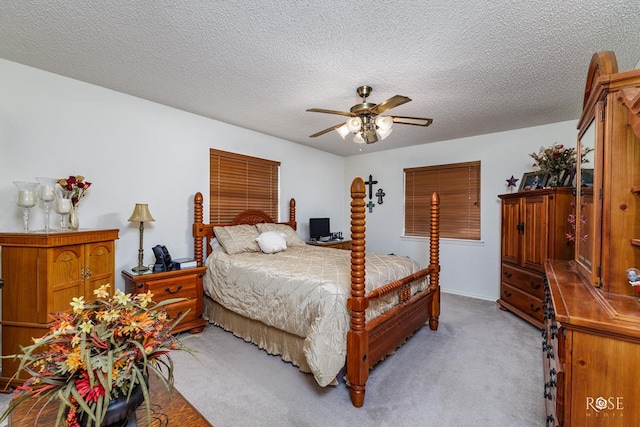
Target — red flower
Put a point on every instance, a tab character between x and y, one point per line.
85	390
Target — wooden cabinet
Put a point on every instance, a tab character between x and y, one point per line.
336	244
590	352
42	272
173	284
534	224
591	339
608	202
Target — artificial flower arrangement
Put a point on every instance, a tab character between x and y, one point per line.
101	350
557	158
77	185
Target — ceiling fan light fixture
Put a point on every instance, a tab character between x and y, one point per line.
358	139
343	131
354	124
383	133
384	122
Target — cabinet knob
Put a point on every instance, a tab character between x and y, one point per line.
140	285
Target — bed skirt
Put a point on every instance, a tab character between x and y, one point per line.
274	341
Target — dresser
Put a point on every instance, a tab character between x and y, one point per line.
591	335
534	226
185	284
42	272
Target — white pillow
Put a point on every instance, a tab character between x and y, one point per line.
271	242
289	233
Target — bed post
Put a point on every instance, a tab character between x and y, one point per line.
292	214
434	260
357	338
198	230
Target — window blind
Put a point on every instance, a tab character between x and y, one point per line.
459	187
238	182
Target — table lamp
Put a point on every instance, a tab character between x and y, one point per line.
141	214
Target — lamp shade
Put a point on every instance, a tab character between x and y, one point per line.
354	124
141	213
343	131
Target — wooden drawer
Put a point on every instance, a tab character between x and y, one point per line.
522	301
179	308
526	281
176	287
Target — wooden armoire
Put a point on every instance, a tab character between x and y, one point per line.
591	335
534	227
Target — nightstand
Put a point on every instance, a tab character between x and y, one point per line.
185	283
336	244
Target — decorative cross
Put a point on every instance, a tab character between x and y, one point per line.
370	184
370	205
380	194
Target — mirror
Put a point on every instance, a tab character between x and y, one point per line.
585	221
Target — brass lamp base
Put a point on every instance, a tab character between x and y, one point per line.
140	269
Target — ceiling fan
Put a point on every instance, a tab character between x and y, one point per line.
365	120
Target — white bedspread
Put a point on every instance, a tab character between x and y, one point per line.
303	291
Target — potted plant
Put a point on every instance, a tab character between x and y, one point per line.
96	354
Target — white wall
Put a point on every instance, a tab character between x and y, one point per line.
136	151
468	267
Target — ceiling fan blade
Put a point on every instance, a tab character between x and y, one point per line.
322	132
416	121
390	103
341	113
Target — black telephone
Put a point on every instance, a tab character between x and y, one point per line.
163	259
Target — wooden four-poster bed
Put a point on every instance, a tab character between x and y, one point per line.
314	306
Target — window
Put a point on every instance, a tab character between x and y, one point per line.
459	187
238	183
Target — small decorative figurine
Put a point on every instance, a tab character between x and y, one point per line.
633	276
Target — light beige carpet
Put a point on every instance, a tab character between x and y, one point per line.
482	367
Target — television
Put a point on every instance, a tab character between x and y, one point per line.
319	227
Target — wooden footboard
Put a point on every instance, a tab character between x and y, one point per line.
368	343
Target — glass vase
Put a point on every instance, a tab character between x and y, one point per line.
46	194
74	223
63	206
26	199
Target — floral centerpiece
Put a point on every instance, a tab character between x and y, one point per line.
557	159
76	185
97	352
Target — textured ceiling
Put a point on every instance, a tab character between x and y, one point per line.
475	67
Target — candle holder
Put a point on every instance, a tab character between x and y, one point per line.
63	206
26	199
47	195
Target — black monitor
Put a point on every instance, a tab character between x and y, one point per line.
319	227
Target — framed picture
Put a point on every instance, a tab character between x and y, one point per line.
587	177
532	180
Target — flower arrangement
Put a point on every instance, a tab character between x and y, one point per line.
77	185
557	158
97	352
